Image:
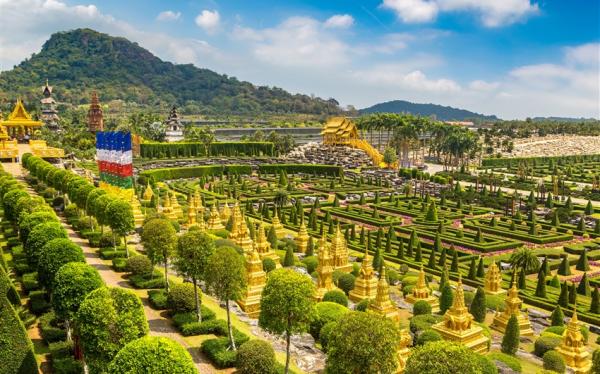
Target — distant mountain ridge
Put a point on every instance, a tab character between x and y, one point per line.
78	61
442	113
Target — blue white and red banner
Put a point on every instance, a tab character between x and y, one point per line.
115	158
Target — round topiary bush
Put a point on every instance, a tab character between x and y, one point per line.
346	282
325	312
554	361
544	344
336	296
443	357
311	263
39	236
255	357
268	264
428	336
56	253
362	305
181	298
139	265
423	322
152	354
421	307
325	334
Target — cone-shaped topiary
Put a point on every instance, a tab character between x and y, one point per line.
432	215
480	268
289	259
401	249
443	278
589	209
564	268
549	201
437	243
377	259
572	293
446	298
555	221
418	253
479	236
540	289
310	247
583	288
557	318
478	306
582	262
595	304
581	223
442	260
545	267
510	340
563	298
472	269
432	263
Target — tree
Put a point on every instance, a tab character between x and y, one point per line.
272	237
595	304
557	318
39	236
225	276
583	288
289	259
510	340
389	156
443	357
256	357
153	354
446	298
582	262
55	254
524	259
72	283
121	220
540	289
472	269
193	250
159	239
363	343
478	306
107	320
564	268
563	298
16	350
286	305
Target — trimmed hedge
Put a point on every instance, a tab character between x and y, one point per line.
327	170
197	149
195	172
508	162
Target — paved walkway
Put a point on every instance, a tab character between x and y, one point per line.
158	323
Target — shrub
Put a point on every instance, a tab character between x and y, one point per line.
544	344
50	330
61	349
346	282
336	296
255	357
158	299
30	281
421	307
596	362
443	357
181	298
152	354
157	280
311	263
139	265
119	265
182	319
217	350
362	305
325	334
423	322
38	302
325	312
268	264
554	361
428	336
39	236
512	362
510	340
67	365
53	255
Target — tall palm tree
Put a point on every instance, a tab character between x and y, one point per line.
524	259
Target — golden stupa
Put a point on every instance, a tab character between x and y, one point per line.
324	271
167	208
422	292
365	285
458	325
263	246
276	223
235	223
256	279
573	347
200	223
243	238
148	193
225	213
339	252
513	308
191	213
382	304
198	202
302	238
177	210
493	280
403	350
214	221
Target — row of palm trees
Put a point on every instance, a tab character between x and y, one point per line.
452	145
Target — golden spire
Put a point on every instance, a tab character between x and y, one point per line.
214	221
243	238
324	271
513	308
225	212
255	282
382	304
302	238
458	304
148	193
339	251
191	213
573	347
493	280
365	284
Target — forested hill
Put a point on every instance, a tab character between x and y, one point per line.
78	61
442	113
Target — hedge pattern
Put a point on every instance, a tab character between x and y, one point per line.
197	149
195	171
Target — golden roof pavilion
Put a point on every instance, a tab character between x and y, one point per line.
339	130
19	122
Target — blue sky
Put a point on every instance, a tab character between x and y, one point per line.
512	58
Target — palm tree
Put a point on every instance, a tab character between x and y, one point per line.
524	259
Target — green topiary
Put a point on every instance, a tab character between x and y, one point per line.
564	268
596	362
181	298
153	354
325	334
53	255
336	296
583	288
510	340
269	264
346	282
582	262
311	263
443	357
557	318
428	336
39	236
256	357
362	305
554	361
540	289
423	322
595	304
478	307
544	344
326	312
421	307
563	298
139	265
446	298
289	259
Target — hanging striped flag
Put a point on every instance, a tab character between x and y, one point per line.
115	159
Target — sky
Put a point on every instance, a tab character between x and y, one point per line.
511	58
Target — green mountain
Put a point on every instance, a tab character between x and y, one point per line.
442	113
79	61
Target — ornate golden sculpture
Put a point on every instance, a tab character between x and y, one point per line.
513	308
324	271
365	285
214	221
493	280
339	251
573	347
422	292
403	350
302	238
382	304
256	279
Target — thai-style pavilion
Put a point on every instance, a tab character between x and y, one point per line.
19	123
339	131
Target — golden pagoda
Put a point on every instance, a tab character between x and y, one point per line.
302	238
20	123
198	202
243	238
148	193
236	217
214	221
276	223
191	213
382	304
458	324
256	279
403	350
573	347
324	271
166	208
339	251
263	246
136	208
493	280
365	285
422	292
513	308
225	213
177	210
200	222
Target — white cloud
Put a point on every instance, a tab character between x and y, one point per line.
586	54
209	21
492	13
339	21
399	77
298	41
480	85
168	15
